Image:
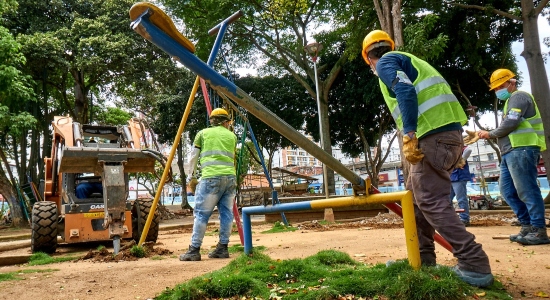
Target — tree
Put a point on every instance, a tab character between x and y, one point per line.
277	31
283	95
113	116
359	118
167	114
15	92
527	12
465	58
79	51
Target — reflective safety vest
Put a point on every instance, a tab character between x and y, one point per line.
530	131
437	105
217	156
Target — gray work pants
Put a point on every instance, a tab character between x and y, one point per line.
431	185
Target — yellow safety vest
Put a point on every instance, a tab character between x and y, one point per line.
217	156
530	131
437	105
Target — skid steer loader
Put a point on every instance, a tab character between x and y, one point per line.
85	153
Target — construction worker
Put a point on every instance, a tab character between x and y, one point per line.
520	138
215	148
428	113
459	179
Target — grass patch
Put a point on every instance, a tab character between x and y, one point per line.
41	258
280	227
138	251
157	257
17	275
100	248
327	275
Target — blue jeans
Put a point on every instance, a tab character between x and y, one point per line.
458	188
518	185
85	189
212	191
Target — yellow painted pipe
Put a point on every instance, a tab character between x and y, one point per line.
169	161
409	223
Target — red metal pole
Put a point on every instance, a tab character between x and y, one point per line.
396	208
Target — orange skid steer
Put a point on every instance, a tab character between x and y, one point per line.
82	154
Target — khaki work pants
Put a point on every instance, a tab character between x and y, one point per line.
431	185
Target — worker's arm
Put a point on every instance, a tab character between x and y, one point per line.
397	73
518	105
195	154
194	161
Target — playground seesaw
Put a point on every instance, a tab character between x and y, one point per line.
154	25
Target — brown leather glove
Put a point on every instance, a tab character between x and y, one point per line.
193	184
461	163
410	149
471	137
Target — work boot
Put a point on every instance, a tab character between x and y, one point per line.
220	252
193	254
474	278
538	236
525	230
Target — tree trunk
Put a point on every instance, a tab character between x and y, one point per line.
7	190
537	73
23	164
81	101
180	153
326	138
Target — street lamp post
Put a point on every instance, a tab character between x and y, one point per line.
313	49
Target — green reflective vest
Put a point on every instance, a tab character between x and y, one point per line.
437	105
530	131
217	156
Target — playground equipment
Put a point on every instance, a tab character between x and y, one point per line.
146	21
86	153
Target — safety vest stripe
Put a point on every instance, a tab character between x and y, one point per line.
218	163
535	121
424	107
426	83
217	152
527	130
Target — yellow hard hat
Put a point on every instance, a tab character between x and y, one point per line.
499	77
219	113
375	39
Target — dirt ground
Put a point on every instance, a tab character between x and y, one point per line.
524	271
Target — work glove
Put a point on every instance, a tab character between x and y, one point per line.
192	184
461	163
471	137
410	149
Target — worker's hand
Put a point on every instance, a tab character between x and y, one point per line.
410	149
482	134
192	183
461	163
471	137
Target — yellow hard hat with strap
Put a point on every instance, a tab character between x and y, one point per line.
220	113
375	39
499	77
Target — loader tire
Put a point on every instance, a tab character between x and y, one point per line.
140	212
44	227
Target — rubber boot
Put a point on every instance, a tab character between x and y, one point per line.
220	252
193	254
525	230
538	236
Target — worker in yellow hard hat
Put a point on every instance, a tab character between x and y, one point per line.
520	137
215	149
431	119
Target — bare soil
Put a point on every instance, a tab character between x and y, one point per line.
524	270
